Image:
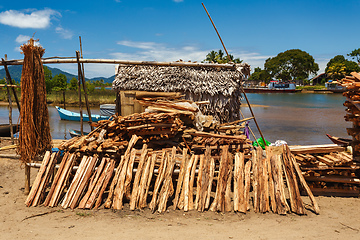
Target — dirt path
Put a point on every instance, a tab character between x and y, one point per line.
339	219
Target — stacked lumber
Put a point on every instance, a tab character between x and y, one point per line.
221	180
329	171
352	104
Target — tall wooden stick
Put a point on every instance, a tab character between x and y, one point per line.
9	82
79	92
247	100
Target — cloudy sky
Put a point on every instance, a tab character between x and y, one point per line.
168	30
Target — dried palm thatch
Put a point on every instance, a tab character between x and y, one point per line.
218	85
34	136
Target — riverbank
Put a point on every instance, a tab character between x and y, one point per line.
337	219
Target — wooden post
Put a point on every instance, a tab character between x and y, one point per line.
64	99
10	109
84	87
79	93
9	82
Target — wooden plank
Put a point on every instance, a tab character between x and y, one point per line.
246	205
159	180
108	176
186	184
135	193
143	198
180	178
191	183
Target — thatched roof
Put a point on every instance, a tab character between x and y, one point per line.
196	80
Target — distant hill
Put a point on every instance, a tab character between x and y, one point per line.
15	72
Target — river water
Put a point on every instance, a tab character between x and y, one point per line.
297	118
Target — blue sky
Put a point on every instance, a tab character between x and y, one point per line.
168	30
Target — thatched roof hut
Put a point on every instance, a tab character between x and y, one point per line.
219	85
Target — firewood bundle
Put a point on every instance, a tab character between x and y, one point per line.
352	103
145	178
329	172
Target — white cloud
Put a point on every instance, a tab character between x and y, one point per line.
22	39
151	51
28	18
64	33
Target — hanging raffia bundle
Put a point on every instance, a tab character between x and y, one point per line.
34	136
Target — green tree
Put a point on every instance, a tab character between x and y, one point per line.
219	57
292	64
48	79
350	66
59	82
260	75
336	70
73	85
355	54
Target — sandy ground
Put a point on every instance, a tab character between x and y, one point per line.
338	219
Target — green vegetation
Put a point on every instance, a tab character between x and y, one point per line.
220	57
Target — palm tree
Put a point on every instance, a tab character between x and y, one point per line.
211	57
337	70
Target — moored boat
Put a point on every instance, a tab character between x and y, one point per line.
5	129
339	141
274	87
107	109
73	116
76	133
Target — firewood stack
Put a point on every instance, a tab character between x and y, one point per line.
352	103
329	171
155	159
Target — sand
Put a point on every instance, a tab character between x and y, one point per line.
338	219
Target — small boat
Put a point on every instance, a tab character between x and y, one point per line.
274	87
73	116
107	109
76	133
5	129
339	141
335	87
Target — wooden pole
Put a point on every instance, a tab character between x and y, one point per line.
227	54
9	81
79	93
247	100
84	87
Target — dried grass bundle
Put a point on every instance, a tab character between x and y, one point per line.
34	136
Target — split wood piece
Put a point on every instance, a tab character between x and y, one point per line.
204	176
109	200
93	183
119	192
236	122
211	178
168	105
205	134
83	181
159	180
255	183
296	203
246	205
180	178
136	183
191	183
56	179
68	196
328	148
199	181
281	204
220	203
45	179
101	181
146	181
129	174
108	175
167	189
305	185
186	183
356	75
269	154
170	110
264	186
325	160
63	178
238	180
38	179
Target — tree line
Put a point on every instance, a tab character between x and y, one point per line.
296	65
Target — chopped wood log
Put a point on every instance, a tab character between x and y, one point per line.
135	193
204	134
159	180
180	178
167	188
38	179
246	206
141	200
281	204
211	178
271	180
255	182
186	183
191	183
204	180
109	200
199	181
264	186
108	174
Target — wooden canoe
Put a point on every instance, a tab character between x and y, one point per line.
5	129
73	116
76	133
339	141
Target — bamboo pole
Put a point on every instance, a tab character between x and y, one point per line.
9	81
79	93
55	60
84	87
